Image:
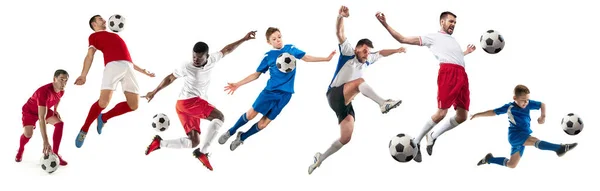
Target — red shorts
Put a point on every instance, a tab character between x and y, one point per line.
453	87
191	110
30	118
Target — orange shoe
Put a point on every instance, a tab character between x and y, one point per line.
203	159
154	145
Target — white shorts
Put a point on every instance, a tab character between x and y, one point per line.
121	72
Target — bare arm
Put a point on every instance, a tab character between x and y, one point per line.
388	52
165	82
340	29
543	110
87	62
309	58
488	113
248	79
414	40
139	69
42	120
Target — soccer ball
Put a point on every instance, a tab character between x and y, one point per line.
286	62
402	148
160	122
572	124
116	23
49	163
492	42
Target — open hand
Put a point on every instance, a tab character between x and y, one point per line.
80	80
381	17
470	48
231	87
473	116
148	73
331	55
250	35
344	11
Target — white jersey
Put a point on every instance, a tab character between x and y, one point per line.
196	79
444	47
348	67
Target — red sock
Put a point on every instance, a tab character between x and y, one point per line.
119	109
92	115
22	142
57	136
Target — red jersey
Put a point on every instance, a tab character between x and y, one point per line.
43	96
112	46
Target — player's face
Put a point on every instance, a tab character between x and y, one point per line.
522	101
448	24
200	58
362	52
275	40
60	82
100	23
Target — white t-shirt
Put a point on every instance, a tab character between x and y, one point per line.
196	79
444	47
348	67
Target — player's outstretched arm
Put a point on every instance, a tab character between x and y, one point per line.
87	64
231	87
231	47
389	52
470	48
488	113
413	40
143	71
163	84
309	58
343	12
42	121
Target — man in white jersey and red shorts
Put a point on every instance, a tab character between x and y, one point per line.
118	69
192	106
453	82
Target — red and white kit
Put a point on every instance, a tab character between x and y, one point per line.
117	61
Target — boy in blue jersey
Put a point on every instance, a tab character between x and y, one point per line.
519	131
348	82
277	93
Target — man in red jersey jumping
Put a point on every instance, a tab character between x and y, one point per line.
118	69
37	108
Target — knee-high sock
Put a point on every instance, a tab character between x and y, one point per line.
240	122
428	126
499	161
183	142
335	146
367	91
22	142
253	130
57	136
95	110
543	145
119	109
213	129
448	124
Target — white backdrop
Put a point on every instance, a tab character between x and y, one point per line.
548	48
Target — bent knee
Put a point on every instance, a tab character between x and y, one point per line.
511	164
216	114
358	81
28	131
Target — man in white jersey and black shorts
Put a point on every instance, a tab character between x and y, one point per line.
347	82
191	105
453	82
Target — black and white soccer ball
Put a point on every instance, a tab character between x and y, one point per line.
492	42
572	124
116	23
49	163
286	62
160	122
402	148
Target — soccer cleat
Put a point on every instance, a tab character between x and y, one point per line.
100	124
80	139
485	160
154	145
389	105
430	143
203	158
19	157
564	148
418	156
62	162
224	137
237	142
316	163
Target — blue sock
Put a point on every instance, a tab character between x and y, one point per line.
543	145
499	161
253	130
240	122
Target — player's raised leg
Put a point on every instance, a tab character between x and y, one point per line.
245	118
359	85
560	149
95	110
131	91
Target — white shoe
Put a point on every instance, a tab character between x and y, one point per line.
237	142
389	105
224	137
315	164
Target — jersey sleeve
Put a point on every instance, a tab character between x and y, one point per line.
373	57
214	57
297	53
427	40
264	64
42	98
534	105
92	41
346	48
179	71
502	110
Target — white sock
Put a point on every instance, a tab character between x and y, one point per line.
448	124
366	90
213	129
428	126
336	146
180	143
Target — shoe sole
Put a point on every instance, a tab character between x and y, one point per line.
392	107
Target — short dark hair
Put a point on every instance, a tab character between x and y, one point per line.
521	90
445	14
60	72
365	41
200	47
93	19
270	31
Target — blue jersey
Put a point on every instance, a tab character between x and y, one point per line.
279	80
518	117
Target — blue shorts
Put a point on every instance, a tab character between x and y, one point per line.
271	103
517	141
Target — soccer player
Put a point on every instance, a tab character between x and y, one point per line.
347	82
519	130
37	108
192	106
276	95
118	70
453	82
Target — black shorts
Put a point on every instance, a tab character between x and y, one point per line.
337	102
